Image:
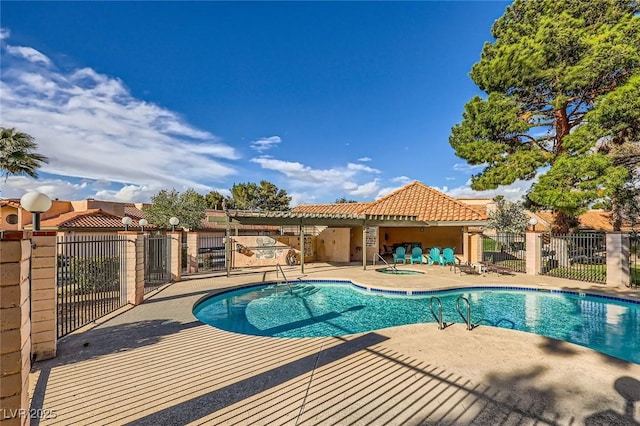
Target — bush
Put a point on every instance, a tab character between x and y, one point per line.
95	274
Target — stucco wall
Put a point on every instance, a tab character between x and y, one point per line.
333	245
430	236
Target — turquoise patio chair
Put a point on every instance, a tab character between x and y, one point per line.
416	255
400	255
434	256
448	257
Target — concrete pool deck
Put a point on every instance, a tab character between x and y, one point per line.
155	364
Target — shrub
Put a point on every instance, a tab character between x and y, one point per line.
95	273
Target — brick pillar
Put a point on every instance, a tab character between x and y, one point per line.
466	253
43	295
135	267
15	329
533	250
176	255
618	252
192	252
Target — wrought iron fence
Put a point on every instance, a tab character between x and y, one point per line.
580	257
505	249
157	261
211	253
91	279
634	258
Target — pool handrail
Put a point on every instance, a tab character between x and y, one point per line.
286	281
393	267
438	318
466	320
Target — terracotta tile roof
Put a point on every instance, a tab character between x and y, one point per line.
414	199
335	208
133	212
428	204
94	218
597	220
13	202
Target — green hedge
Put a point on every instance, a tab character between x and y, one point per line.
95	274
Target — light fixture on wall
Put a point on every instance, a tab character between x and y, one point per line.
143	223
533	222
173	222
36	203
126	221
422	229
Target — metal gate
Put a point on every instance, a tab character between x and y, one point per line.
211	253
505	249
580	257
90	279
157	261
634	261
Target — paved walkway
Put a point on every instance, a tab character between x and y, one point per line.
155	364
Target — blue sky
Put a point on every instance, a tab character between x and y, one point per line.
324	99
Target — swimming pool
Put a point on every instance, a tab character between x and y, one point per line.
332	308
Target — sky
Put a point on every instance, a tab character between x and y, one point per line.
324	99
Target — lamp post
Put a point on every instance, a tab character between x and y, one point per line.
143	223
36	203
533	222
174	221
126	221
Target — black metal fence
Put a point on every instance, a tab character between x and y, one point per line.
157	261
634	258
580	257
211	253
91	279
505	249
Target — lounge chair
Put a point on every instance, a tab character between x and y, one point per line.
400	255
500	270
465	268
448	257
416	255
434	256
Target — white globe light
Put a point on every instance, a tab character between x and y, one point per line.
126	221
143	222
174	221
533	221
35	202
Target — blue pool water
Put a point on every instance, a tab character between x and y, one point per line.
608	325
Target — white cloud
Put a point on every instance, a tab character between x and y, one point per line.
365	159
402	180
91	127
362	168
366	190
264	144
4	33
16	186
464	167
513	192
31	55
449	178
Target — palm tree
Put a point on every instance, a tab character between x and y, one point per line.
17	156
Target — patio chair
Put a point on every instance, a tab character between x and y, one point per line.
416	255
400	255
434	256
447	257
500	270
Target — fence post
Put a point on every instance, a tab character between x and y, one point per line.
176	255
135	266
43	295
475	247
15	328
533	252
192	251
618	273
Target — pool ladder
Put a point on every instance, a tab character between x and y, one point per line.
438	315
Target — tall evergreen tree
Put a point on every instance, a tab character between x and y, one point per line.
552	63
266	196
188	207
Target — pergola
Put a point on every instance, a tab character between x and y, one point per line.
302	219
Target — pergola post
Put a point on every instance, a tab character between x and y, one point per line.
364	245
301	247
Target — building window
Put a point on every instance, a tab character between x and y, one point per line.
12	219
